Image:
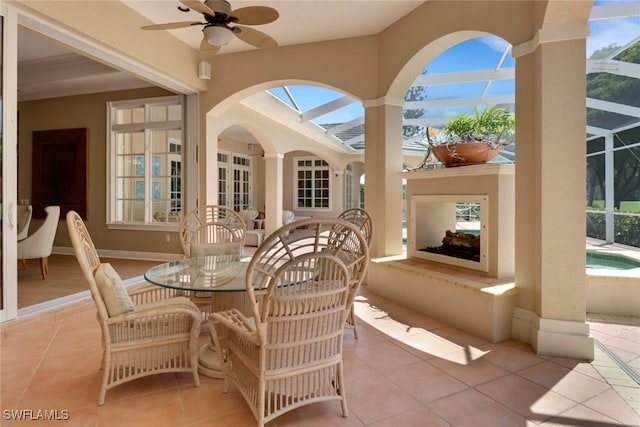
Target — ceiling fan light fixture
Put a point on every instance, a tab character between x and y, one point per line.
217	36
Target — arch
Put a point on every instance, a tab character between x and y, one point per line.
423	57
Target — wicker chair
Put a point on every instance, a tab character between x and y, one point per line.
361	219
211	230
153	333
289	352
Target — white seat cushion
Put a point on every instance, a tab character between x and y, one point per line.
208	249
112	290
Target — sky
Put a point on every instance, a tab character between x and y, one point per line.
477	53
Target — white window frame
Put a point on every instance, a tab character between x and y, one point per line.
147	127
313	168
236	200
348	188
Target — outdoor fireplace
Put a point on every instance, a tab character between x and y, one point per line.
477	201
451	229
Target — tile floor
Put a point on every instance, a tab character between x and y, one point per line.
405	369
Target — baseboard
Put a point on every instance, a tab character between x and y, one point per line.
553	337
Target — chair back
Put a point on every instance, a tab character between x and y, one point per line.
87	257
304	311
362	219
40	243
24	213
308	237
248	215
211	225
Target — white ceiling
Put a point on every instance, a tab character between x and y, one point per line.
48	69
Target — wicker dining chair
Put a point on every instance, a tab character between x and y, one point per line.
145	330
287	352
211	230
362	219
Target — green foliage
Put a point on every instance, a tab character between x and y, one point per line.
626	228
492	124
415	93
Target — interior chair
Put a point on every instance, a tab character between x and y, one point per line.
288	217
24	213
39	244
287	351
146	330
211	230
252	236
362	219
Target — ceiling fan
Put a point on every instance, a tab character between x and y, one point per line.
217	30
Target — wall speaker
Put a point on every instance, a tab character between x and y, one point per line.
204	70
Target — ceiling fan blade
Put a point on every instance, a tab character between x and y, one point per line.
255	15
198	6
171	25
254	37
207	49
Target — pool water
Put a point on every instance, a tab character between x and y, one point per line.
610	261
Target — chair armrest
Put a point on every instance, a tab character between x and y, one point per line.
173	316
236	322
145	293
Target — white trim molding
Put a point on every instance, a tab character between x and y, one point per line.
553	337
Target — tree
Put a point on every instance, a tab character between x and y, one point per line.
415	93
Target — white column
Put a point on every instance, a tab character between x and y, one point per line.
550	198
273	176
383	183
609	188
337	192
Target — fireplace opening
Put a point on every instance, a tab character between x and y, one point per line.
459	245
451	229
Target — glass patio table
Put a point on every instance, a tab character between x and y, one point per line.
221	275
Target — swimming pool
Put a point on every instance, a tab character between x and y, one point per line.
608	261
613	283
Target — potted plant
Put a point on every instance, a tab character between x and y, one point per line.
471	139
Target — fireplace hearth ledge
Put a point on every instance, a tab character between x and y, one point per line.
482	307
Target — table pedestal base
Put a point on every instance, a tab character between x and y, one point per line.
209	361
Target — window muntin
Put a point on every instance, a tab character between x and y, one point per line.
145	173
312	184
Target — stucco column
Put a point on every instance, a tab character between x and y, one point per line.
550	195
337	191
208	163
382	166
273	173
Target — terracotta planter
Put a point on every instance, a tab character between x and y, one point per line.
465	153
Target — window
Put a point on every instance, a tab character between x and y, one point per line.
312	187
145	161
234	180
348	188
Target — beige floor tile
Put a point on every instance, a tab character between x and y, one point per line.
163	409
376	398
384	356
419	417
471	371
612	405
510	358
573	385
526	398
424	382
472	409
580	416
